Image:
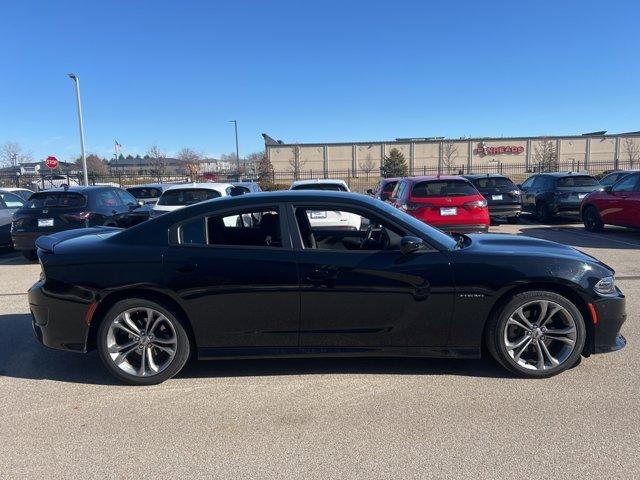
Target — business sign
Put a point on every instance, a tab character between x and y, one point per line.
51	162
482	149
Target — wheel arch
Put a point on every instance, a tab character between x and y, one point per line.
159	297
561	289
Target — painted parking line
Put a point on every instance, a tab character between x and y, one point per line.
598	236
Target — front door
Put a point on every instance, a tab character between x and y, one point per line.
359	291
236	276
622	198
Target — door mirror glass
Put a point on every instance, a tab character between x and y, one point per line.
410	244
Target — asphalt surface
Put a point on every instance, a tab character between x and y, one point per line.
61	415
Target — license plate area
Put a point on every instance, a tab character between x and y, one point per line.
318	214
448	211
45	222
496	197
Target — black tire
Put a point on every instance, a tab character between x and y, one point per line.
182	350
30	255
543	214
513	220
495	334
591	219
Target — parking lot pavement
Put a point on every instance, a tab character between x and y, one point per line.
63	416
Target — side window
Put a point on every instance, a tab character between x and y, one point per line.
11	200
398	191
627	184
324	228
249	228
107	198
528	183
126	197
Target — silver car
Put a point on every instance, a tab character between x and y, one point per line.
9	203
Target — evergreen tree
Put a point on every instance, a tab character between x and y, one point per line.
265	173
394	164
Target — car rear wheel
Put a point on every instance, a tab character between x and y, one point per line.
537	334
542	212
30	255
142	343
591	219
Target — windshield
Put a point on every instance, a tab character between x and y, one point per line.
443	188
437	235
493	182
187	196
574	181
56	199
333	187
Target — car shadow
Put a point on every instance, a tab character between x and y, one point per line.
21	356
610	238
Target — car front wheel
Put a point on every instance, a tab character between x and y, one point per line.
537	334
142	343
542	212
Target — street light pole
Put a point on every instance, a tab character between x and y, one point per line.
235	123
76	80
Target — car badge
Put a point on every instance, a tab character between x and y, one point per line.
45	211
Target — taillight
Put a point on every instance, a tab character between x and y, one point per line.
78	217
476	204
412	207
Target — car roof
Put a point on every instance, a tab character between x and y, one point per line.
319	181
475	176
565	174
14	189
434	178
200	186
78	189
152	185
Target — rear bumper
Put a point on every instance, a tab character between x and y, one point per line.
473	228
611	316
58	323
505	210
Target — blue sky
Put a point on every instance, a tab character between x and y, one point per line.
174	73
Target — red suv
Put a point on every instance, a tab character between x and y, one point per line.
450	203
618	204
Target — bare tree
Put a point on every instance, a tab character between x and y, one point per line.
157	160
11	154
631	151
296	162
546	156
449	154
95	165
191	160
367	165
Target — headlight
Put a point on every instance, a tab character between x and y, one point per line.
606	286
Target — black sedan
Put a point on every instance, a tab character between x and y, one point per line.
198	282
68	208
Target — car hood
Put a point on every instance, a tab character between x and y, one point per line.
520	245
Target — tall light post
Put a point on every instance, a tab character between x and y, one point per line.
235	123
76	81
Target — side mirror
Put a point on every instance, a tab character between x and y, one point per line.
410	244
369	191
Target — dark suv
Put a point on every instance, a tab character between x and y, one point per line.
384	188
51	211
546	194
501	194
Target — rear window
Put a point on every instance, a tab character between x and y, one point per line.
55	199
187	196
333	187
493	182
443	188
145	192
575	181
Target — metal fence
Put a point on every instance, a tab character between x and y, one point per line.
358	181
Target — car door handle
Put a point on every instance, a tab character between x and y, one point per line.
186	268
322	275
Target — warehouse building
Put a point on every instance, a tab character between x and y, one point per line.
595	152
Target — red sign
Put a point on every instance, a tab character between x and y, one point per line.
481	149
51	162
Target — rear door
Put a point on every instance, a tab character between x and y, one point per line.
624	202
528	193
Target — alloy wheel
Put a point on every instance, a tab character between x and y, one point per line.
540	335
141	342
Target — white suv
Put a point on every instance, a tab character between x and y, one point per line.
321	219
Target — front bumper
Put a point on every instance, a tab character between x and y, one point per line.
58	323
611	314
